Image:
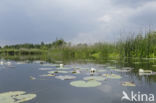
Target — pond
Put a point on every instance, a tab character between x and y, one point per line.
77	82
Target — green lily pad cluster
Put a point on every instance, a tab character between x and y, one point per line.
32	78
98	78
52	65
111	67
112	76
46	69
128	84
76	71
81	83
59	71
16	97
47	75
63	68
101	70
65	77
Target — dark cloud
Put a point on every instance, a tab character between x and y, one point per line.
73	20
130	3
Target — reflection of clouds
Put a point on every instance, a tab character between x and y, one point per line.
105	88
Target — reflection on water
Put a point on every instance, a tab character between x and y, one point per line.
16	77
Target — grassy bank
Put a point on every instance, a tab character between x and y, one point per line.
136	46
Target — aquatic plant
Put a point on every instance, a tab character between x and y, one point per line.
76	71
81	83
32	78
52	65
123	69
112	76
47	75
59	71
46	68
101	70
128	84
64	68
16	97
65	77
98	78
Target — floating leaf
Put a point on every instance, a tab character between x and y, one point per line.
46	68
64	68
145	71
112	76
128	84
15	97
122	70
100	70
52	72
53	65
98	78
32	78
153	73
81	83
65	77
76	71
47	75
111	67
20	62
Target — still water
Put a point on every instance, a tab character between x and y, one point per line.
17	77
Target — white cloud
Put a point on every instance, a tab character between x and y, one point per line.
105	18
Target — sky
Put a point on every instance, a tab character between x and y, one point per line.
76	21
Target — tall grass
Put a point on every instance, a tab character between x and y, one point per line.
134	46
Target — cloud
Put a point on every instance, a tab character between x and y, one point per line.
105	18
78	21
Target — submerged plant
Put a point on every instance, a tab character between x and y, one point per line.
65	77
15	97
112	76
81	83
98	78
128	84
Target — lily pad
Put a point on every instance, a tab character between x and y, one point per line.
123	70
98	78
81	83
47	75
20	62
15	97
46	68
52	65
100	70
65	77
52	72
76	71
112	76
128	84
64	68
32	78
148	74
111	67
